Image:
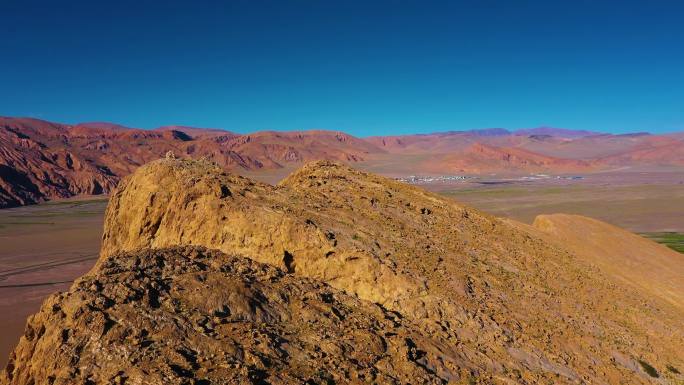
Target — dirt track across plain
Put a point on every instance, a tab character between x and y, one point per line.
44	248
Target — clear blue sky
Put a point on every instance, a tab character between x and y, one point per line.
365	67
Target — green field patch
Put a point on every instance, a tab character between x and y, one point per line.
513	191
74	203
7	224
673	240
65	212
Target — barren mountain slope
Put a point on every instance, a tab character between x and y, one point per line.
421	143
30	172
510	305
482	158
664	150
196	132
563	150
40	160
188	315
443	142
303	146
557	132
105	152
584	148
653	268
454	141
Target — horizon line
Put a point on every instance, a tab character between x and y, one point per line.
510	131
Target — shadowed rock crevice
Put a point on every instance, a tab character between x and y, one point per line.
288	261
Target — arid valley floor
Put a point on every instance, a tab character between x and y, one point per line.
46	246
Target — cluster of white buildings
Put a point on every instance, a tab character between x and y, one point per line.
415	179
544	176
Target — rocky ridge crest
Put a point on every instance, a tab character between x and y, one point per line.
482	299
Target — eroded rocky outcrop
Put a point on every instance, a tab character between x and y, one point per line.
480	299
517	305
188	315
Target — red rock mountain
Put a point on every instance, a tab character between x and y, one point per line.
31	170
481	158
41	160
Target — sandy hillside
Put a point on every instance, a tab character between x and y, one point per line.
651	267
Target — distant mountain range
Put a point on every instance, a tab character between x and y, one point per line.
41	160
551	131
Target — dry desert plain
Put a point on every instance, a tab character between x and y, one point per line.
46	246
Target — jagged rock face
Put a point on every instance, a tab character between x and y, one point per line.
248	218
506	304
31	173
188	315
